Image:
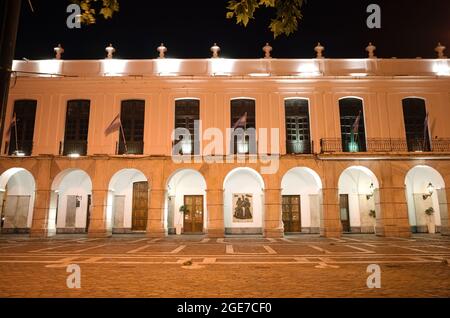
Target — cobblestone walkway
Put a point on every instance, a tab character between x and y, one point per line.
297	266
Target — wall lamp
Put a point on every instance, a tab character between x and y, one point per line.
430	190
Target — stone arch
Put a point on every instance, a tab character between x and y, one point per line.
425	189
127	201
302	185
243	202
359	200
186	188
17	195
70	202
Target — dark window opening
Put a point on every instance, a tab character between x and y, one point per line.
416	125
298	135
77	127
243	118
22	131
353	131
133	118
187	113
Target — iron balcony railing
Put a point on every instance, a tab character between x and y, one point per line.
334	145
74	148
299	147
24	148
132	148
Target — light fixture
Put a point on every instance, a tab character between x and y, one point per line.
74	155
371	192
359	74
19	153
430	191
259	74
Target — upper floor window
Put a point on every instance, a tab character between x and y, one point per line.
353	131
21	132
298	136
416	124
243	123
77	127
187	113
132	116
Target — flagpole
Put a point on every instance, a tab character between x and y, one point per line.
123	137
15	132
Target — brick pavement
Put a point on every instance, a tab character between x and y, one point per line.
298	266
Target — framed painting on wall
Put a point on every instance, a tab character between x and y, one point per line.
242	208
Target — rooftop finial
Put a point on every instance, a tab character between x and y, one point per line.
267	50
440	49
371	50
215	49
162	51
58	52
110	50
319	50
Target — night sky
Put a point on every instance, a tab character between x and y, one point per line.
410	28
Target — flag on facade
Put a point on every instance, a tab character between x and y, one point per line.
242	122
355	128
114	126
425	130
12	124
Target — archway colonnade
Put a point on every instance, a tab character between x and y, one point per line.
103	196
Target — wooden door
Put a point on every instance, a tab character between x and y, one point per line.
345	213
193	217
140	206
292	213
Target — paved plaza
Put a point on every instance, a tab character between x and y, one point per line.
194	266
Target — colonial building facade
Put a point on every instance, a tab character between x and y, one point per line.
356	146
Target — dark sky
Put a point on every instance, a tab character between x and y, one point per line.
410	28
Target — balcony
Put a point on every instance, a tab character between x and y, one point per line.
24	149
186	147
132	148
74	148
299	147
335	145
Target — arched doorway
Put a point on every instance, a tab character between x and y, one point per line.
71	202
128	195
301	190
244	202
359	200
185	211
426	199
17	193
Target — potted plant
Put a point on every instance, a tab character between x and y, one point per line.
373	215
179	227
430	224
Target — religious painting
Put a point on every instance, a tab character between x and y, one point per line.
242	208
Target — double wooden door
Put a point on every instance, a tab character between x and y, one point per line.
193	216
140	206
292	213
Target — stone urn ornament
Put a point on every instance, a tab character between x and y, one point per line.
162	50
215	49
371	50
440	49
267	49
319	50
110	50
58	52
